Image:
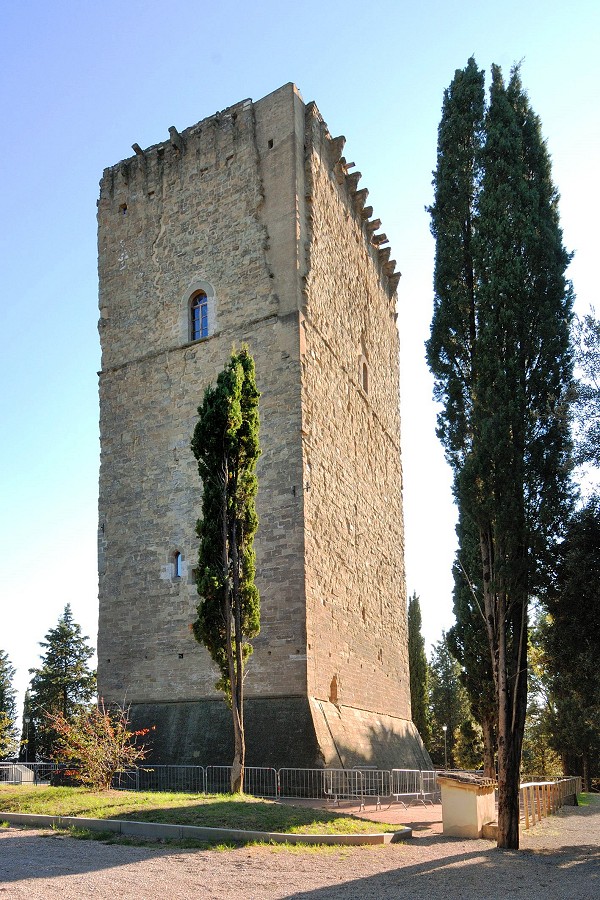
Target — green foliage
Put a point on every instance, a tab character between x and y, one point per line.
468	748
500	354
587	392
28	742
572	645
468	639
63	684
539	761
97	743
8	708
417	666
225	443
448	704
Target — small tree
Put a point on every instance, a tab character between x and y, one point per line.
8	708
448	704
28	742
417	666
97	743
63	683
225	443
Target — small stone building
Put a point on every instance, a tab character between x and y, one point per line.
250	227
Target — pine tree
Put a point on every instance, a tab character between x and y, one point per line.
418	670
63	683
225	443
503	367
8	708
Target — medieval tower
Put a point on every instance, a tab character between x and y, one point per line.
250	227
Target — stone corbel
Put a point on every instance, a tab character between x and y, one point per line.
176	139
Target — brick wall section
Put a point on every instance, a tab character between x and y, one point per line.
354	524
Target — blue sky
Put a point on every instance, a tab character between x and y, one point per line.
83	80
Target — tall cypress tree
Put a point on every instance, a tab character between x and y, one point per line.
508	436
418	670
225	443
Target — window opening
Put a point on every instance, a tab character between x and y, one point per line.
365	378
177	560
199	316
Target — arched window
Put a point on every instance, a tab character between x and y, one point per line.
199	316
177	564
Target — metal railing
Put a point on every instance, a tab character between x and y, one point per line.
360	784
26	773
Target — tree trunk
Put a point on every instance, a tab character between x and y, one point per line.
489	749
237	678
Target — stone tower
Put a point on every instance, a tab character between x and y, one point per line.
250	227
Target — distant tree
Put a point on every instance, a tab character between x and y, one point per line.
97	744
28	742
468	746
225	443
8	708
572	644
500	353
539	760
586	333
63	683
418	671
448	704
468	640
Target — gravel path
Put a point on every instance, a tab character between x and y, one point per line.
559	859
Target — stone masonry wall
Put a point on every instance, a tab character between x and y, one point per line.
255	206
356	635
180	213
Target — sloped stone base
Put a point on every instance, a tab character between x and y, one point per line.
294	732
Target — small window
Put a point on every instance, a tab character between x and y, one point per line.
365	377
199	316
177	564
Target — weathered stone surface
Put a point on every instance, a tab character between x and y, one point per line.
246	206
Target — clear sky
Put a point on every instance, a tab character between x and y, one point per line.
82	81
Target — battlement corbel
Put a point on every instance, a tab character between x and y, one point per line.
176	139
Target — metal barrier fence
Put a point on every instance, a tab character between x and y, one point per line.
26	773
401	785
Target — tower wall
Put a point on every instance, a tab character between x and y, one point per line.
254	206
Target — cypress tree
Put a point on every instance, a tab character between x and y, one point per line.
504	421
225	443
417	667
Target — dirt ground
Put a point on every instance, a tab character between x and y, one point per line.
558	859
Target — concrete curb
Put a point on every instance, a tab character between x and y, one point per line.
156	830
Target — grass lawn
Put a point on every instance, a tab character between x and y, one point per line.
220	811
